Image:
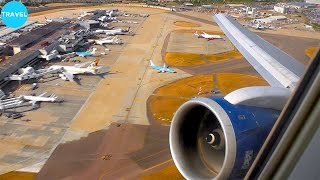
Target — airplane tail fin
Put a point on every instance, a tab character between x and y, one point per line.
151	63
94	63
164	65
54	97
94	50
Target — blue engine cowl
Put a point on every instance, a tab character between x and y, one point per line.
213	139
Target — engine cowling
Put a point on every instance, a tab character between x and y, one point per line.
211	138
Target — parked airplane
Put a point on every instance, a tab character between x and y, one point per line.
53	54
161	69
112	32
83	14
15	102
219	137
68	72
48	20
207	36
111	13
29	73
34	99
87	53
258	26
107	18
109	40
126	15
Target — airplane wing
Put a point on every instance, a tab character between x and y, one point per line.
68	75
81	64
275	66
41	95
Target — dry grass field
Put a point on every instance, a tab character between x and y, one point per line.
186	24
165	101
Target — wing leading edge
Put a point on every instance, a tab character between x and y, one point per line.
275	66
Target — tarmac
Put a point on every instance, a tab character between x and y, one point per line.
105	127
189	43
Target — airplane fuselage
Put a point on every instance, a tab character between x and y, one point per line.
211	37
39	98
163	69
84	54
74	70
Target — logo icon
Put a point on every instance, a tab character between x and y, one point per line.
14	14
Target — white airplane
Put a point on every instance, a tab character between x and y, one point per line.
207	36
34	99
105	24
258	26
106	18
109	40
68	72
111	13
83	14
53	54
161	69
29	73
112	32
132	22
15	102
103	18
126	15
48	20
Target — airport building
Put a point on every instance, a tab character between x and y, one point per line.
270	19
251	11
27	47
313	2
68	42
6	31
281	8
29	39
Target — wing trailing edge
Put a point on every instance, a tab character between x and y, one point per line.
275	66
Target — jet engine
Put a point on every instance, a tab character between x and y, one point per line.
63	77
211	138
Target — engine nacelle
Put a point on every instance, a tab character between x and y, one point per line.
211	138
63	77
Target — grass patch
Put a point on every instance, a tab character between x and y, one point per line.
310	51
49	12
64	4
228	82
186	24
163	108
18	176
234	54
169	172
183	59
190	59
167	99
